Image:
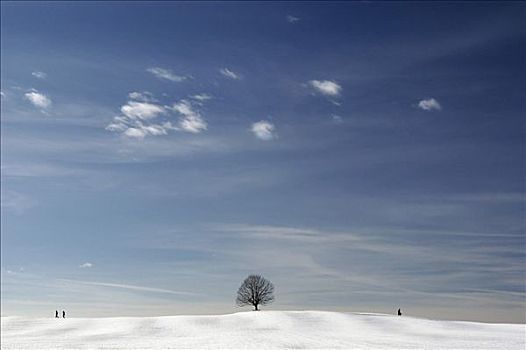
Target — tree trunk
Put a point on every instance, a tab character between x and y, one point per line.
256	307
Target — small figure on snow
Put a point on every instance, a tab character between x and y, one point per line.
56	313
399	312
63	314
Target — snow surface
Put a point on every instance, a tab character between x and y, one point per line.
259	330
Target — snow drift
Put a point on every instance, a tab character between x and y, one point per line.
258	330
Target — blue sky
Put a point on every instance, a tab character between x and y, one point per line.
362	156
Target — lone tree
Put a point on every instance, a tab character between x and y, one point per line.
255	291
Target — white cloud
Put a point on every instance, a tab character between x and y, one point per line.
37	99
429	104
136	119
39	75
144	96
167	74
2	95
292	19
264	130
86	265
337	119
140	119
202	97
135	133
191	120
326	87
229	74
141	110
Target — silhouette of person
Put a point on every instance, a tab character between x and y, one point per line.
56	313
399	312
63	314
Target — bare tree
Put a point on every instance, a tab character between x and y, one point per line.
255	290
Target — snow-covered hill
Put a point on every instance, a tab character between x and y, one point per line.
258	330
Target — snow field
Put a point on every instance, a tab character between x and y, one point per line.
259	330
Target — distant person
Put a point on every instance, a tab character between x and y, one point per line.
56	313
63	314
399	312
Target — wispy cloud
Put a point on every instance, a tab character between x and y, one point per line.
129	287
307	235
38	99
16	202
191	119
39	75
292	19
144	96
86	265
167	74
311	252
326	87
429	104
229	74
264	130
138	129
